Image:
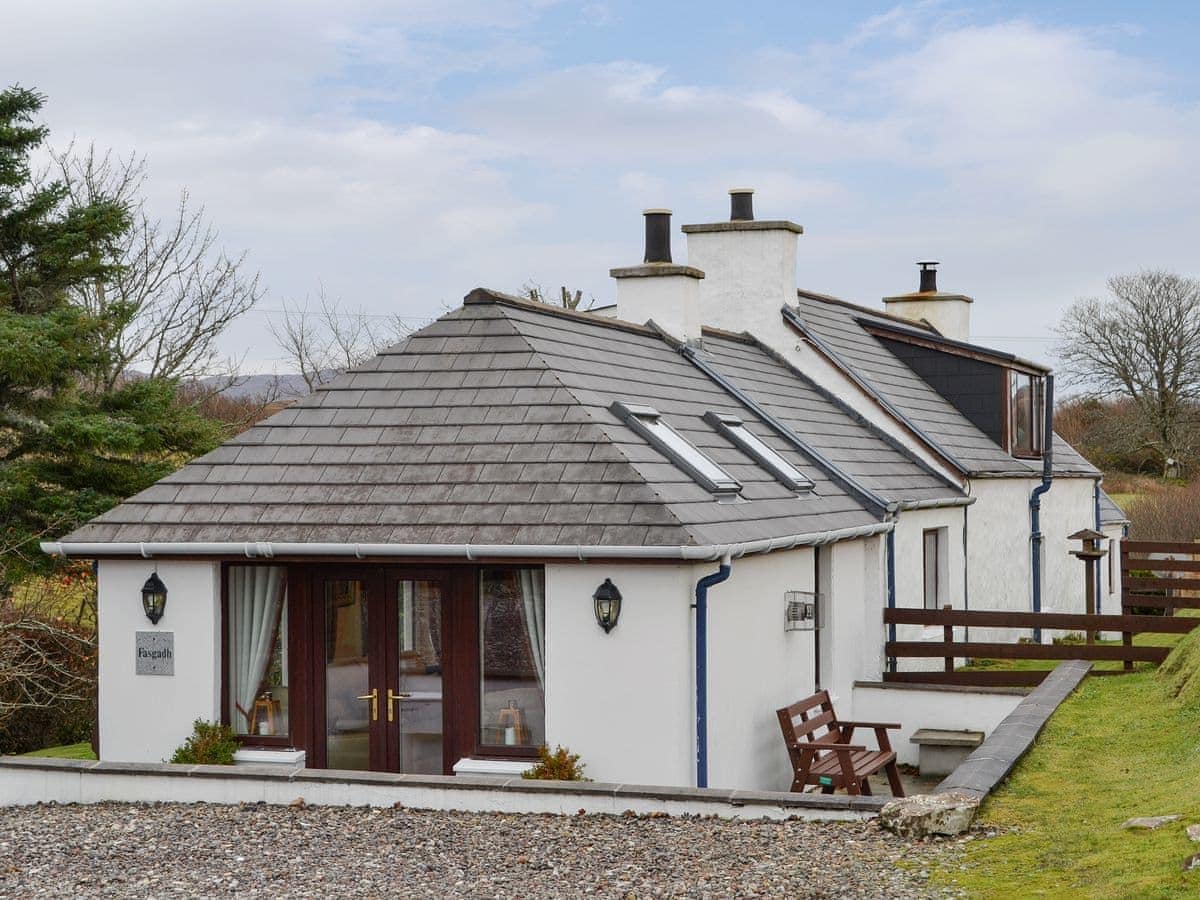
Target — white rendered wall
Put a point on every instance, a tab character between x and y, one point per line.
144	718
910	574
622	700
951	316
755	667
670	300
1000	551
852	630
915	708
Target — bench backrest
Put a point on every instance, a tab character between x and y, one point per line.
801	722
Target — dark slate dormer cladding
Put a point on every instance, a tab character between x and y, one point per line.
975	388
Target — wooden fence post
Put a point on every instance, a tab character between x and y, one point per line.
1127	640
948	637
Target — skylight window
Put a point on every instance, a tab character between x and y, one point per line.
753	446
648	422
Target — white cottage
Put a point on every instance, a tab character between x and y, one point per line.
414	569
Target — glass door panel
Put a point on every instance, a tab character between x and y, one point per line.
348	698
415	705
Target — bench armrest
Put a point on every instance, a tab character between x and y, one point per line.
889	725
825	745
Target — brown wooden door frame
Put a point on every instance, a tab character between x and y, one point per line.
308	639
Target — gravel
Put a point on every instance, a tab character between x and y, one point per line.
162	850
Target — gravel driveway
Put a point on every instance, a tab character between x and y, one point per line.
256	850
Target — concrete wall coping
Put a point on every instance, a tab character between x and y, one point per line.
943	688
995	758
736	802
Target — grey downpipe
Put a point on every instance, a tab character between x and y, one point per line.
966	573
1035	502
701	607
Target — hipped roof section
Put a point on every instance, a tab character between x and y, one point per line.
491	426
843	329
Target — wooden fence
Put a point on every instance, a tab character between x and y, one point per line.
1160	575
949	649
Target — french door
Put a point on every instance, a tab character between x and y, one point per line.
380	672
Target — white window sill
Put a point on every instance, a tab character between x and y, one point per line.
495	768
269	757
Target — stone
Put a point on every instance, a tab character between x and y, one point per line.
1149	822
1193	833
1192	862
923	815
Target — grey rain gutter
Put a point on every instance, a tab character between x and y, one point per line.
831	469
272	549
793	318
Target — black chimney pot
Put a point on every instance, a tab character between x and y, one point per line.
928	276
658	235
741	205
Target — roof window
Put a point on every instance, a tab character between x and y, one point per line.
648	422
756	448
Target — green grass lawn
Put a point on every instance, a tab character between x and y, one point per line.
1120	747
82	750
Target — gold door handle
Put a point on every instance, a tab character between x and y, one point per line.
392	698
374	698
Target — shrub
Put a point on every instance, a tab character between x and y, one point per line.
211	744
1171	515
561	765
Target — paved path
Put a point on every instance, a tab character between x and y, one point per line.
131	850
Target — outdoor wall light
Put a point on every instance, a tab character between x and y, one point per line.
607	600
154	597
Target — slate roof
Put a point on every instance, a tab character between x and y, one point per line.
490	426
857	448
838	325
1110	513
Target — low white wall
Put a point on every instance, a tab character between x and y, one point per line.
73	781
144	718
915	708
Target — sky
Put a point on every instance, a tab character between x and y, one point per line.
399	154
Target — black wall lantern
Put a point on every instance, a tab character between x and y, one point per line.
154	597
608	605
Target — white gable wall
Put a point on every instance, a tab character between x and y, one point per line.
144	718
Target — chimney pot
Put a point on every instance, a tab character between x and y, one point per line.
928	276
741	205
658	235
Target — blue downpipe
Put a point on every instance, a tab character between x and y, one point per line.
1035	502
701	606
889	544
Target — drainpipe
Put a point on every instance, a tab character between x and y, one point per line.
889	552
1096	498
701	607
1035	502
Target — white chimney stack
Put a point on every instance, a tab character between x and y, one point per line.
660	290
749	268
950	314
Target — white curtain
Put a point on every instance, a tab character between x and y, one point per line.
533	597
255	605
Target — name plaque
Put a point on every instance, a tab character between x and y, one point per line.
155	653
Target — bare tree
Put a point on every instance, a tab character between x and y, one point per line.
1142	343
531	290
174	291
320	344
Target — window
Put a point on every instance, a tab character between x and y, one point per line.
257	674
932	568
512	658
753	446
648	422
1026	410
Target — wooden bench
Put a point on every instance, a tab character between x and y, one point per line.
829	760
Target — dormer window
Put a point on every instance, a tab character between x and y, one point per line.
1026	414
648	422
757	449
